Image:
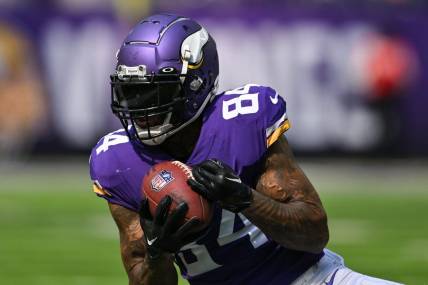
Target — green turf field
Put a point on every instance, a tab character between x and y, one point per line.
53	230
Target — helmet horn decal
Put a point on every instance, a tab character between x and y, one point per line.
191	49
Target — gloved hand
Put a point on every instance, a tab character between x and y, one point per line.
217	181
166	233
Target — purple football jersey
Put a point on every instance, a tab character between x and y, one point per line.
238	127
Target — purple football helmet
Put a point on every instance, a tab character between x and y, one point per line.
166	73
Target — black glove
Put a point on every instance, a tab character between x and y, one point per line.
217	181
166	233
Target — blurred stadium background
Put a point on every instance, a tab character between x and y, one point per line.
355	77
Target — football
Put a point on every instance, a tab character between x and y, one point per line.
170	178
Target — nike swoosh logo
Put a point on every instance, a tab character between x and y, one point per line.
234	179
274	100
151	241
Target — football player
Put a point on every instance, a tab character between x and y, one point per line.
268	227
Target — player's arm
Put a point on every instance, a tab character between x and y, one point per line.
284	205
140	268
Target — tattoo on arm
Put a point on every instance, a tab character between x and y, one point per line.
133	251
286	206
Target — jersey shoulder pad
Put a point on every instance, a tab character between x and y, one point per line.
259	104
104	162
275	117
117	168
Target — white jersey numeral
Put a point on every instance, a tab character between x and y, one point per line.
226	234
234	107
203	260
112	139
203	263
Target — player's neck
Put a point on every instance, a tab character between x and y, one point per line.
180	146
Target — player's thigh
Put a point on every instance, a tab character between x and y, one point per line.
346	276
